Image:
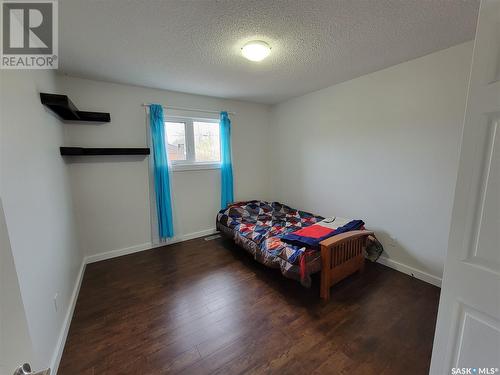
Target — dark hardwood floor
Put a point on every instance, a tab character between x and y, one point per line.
201	307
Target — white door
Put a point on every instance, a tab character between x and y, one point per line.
468	326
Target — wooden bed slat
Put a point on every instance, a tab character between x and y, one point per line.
341	256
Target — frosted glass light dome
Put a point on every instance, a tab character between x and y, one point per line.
256	50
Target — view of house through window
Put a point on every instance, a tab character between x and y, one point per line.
192	141
176	140
206	141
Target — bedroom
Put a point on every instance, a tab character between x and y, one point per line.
118	263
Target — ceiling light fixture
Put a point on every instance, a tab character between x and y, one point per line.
256	50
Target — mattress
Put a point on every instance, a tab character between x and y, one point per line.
257	226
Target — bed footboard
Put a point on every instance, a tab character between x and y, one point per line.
341	256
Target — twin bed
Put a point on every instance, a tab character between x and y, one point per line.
259	227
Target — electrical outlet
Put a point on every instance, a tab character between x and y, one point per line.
56	302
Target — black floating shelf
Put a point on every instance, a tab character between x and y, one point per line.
85	151
66	110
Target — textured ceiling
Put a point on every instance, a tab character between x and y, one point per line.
194	46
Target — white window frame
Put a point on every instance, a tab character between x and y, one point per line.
190	164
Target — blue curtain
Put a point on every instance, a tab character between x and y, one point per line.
161	174
226	167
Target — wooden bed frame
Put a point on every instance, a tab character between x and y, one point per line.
341	256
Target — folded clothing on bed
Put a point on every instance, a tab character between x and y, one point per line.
311	236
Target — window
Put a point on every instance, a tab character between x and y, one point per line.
206	141
176	141
192	143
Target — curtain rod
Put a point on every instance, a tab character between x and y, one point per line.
187	109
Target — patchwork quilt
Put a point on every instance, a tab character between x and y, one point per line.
258	226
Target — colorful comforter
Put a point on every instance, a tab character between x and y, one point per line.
258	226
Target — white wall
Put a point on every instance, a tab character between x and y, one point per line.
15	342
384	148
38	209
111	194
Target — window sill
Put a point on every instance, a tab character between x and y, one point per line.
194	167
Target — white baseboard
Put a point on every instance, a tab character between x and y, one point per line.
146	246
117	253
421	275
61	341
